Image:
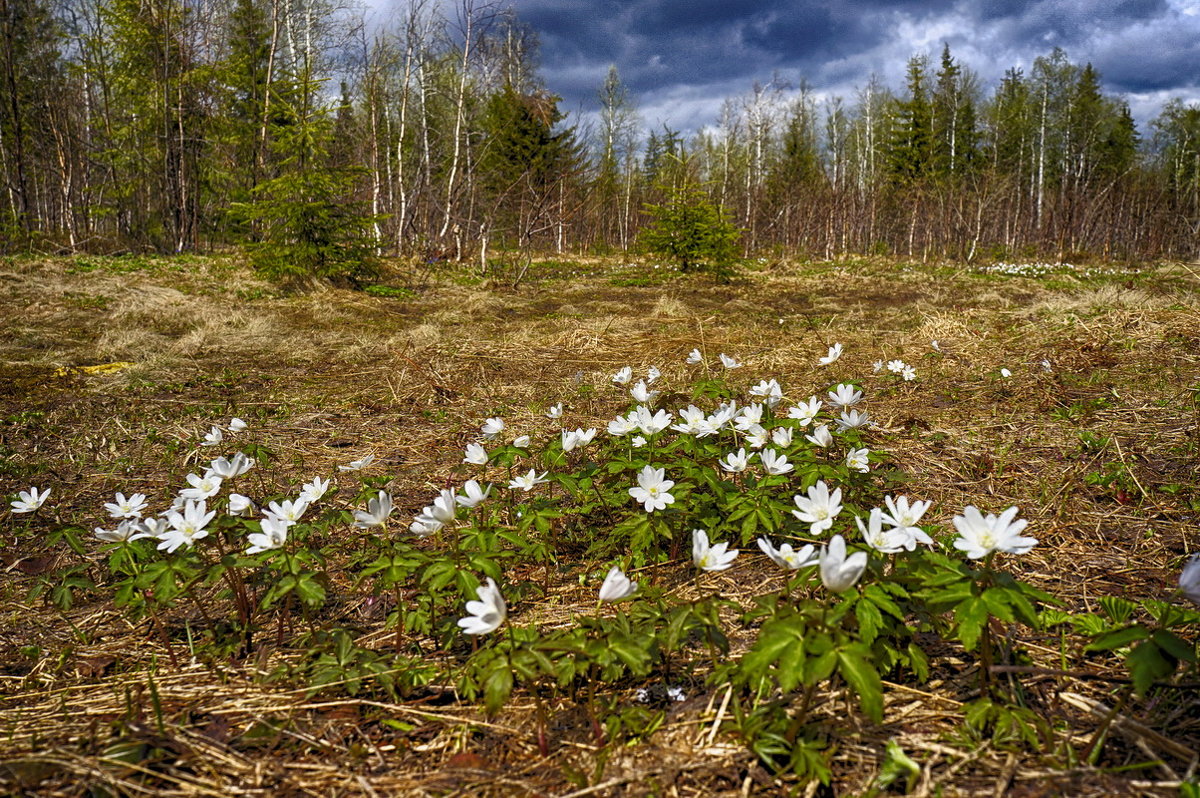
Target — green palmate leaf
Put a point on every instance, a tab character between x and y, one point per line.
1088	624
1050	618
1174	646
497	685
309	590
632	651
1147	664
870	620
883	601
971	616
854	665
918	661
1118	638
821	667
897	767
1118	610
439	574
790	667
951	595
773	642
997	601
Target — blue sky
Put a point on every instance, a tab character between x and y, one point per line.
682	58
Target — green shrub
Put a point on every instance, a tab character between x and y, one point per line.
693	232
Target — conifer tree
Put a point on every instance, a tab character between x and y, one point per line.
911	154
953	123
311	221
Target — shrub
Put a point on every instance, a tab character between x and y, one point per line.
693	232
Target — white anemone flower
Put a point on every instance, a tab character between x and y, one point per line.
491	428
819	508
877	366
1005	373
757	436
750	416
845	395
1189	579
623	376
775	463
488	613
312	491
896	366
735	462
28	501
821	436
770	391
522	442
652	374
444	507
901	513
202	487
555	411
853	419
186	527
653	489
729	362
638	441
358	465
237	425
240	505
839	572
289	511
528	481
980	535
691	417
423	526
723	416
129	529
213	438
154	527
694	357
230	467
782	436
472	494
577	439
885	541
641	393
856	460
127	508
475	454
908	374
835	352
714	557
377	512
805	412
787	557
652	424
621	426
273	535
617	586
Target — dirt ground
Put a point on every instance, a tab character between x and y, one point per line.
110	369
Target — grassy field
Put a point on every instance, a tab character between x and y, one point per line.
113	369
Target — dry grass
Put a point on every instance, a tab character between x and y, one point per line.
333	375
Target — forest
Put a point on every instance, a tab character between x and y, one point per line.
311	133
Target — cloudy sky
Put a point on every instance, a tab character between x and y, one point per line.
682	58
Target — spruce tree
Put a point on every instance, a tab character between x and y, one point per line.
911	153
692	231
310	221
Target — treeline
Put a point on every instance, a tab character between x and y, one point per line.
296	129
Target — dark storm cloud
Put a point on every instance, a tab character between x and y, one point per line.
682	58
